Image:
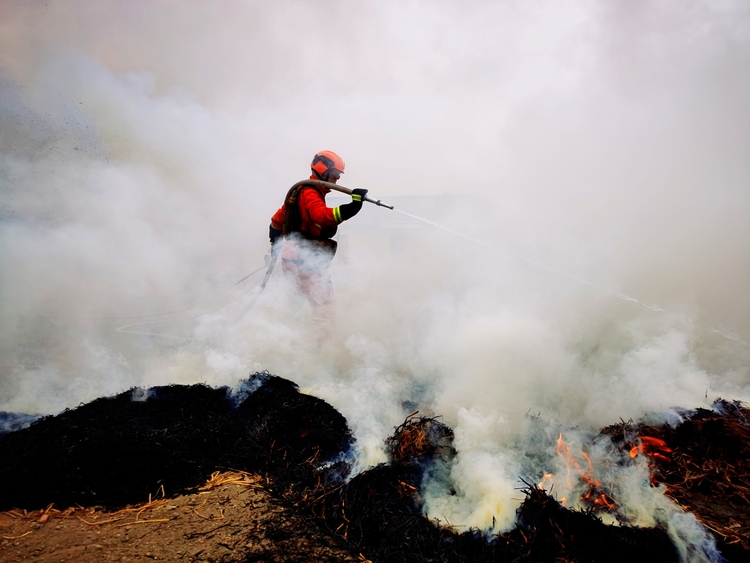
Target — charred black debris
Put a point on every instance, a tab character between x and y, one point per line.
120	450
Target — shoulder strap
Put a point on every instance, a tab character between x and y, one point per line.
292	212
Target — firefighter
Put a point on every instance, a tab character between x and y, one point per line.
303	227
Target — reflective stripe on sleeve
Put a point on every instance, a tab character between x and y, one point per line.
337	214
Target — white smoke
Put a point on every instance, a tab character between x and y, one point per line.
143	149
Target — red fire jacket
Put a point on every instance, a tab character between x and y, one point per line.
318	220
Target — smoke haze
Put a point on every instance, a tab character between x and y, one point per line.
593	149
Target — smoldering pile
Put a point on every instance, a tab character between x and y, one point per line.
119	450
704	461
380	512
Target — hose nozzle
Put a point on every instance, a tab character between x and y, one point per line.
378	203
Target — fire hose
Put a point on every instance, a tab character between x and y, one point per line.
342	189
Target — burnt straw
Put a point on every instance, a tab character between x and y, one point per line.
117	451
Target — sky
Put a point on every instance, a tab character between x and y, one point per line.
593	160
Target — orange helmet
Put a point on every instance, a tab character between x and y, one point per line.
325	161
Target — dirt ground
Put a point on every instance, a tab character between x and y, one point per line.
233	518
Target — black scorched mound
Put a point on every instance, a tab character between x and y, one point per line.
119	450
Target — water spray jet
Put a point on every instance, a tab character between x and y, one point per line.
616	294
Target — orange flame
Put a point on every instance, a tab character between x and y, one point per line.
605	502
592	495
563	450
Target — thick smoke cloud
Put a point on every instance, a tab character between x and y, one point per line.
590	150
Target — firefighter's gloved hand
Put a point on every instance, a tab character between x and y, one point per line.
358	194
349	210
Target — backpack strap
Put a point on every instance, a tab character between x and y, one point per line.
292	212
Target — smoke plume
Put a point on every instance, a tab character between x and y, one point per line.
588	161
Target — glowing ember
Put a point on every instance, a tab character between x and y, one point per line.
653	448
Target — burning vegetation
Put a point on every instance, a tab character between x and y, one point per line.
705	464
121	450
